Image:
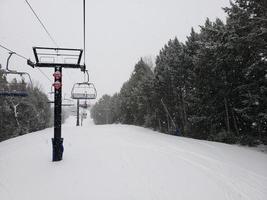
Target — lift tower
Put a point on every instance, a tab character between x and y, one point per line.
57	58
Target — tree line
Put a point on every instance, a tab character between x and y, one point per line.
21	115
213	86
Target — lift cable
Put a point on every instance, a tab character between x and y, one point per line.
46	30
21	56
84	31
84	37
13	52
50	36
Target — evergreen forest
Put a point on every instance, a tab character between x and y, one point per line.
213	86
21	115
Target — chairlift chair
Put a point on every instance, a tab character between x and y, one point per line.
12	87
50	95
84	105
84	115
84	90
67	102
15	85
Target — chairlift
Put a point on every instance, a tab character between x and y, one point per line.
12	87
84	115
84	105
50	95
67	102
84	90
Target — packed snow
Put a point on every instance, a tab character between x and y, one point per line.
121	162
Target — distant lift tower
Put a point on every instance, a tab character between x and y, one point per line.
57	58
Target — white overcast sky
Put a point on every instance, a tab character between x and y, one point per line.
118	33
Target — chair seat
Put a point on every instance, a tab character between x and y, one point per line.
83	96
14	94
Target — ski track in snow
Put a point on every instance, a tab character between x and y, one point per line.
236	186
128	162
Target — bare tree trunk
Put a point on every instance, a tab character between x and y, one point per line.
168	116
227	115
160	126
184	113
14	107
235	124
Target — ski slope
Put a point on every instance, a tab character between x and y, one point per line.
120	162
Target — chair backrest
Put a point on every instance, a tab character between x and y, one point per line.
14	84
84	91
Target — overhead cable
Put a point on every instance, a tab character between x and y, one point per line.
84	31
19	55
50	36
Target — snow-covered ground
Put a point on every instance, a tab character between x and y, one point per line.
120	162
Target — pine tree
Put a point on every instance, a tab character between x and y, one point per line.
247	41
135	95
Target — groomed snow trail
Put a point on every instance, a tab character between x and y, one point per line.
120	162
